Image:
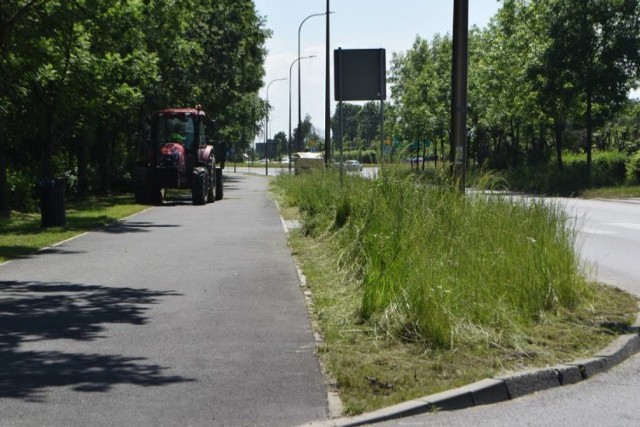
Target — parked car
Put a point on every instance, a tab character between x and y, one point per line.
352	166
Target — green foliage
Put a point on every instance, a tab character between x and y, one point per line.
22	190
633	169
442	269
80	78
608	169
360	125
539	72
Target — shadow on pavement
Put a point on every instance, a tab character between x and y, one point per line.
231	182
22	251
134	227
37	311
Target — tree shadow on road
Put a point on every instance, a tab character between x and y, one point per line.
37	311
134	227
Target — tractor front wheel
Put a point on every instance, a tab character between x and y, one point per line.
199	181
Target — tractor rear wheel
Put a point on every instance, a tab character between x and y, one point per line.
219	184
211	184
199	181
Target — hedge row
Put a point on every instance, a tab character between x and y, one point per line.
608	169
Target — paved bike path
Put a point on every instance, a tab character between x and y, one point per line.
181	315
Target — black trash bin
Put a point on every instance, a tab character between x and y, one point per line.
52	202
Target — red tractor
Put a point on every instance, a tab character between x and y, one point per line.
179	155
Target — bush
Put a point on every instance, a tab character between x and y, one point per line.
23	195
633	169
608	169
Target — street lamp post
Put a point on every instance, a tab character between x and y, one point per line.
289	134
299	136
266	130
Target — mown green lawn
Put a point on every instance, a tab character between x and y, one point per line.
23	234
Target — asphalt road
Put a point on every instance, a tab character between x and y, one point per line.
181	316
608	240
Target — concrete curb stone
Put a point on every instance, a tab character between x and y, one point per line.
621	348
527	382
568	374
591	366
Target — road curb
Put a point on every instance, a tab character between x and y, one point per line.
334	403
503	387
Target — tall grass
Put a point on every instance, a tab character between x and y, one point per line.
436	267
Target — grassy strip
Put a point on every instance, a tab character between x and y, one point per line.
22	234
623	192
418	290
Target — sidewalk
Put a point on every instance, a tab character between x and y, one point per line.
180	315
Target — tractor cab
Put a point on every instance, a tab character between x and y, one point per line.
183	126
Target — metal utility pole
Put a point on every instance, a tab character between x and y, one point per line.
289	135
327	98
459	64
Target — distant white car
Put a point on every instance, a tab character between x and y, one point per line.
352	166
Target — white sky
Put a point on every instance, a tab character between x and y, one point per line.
355	24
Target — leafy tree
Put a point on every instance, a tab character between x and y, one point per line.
368	125
308	133
13	84
282	148
80	77
421	92
600	40
349	113
589	61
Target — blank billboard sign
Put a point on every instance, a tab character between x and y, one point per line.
360	74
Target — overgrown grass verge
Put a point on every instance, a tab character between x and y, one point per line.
23	234
417	289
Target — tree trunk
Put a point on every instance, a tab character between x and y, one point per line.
589	142
5	207
559	129
514	142
47	141
81	161
103	159
435	154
